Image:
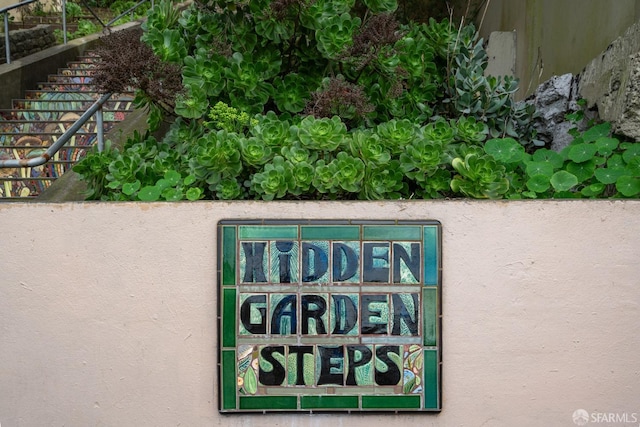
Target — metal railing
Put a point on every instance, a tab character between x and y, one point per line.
5	11
96	108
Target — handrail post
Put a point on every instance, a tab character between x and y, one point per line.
100	129
7	49
64	21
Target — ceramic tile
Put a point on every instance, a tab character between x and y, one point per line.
329	315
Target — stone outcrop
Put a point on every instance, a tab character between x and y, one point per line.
611	83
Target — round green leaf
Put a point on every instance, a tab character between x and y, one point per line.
172	177
631	153
538	183
539	168
606	145
150	193
628	186
583	171
597	132
593	190
194	193
189	179
582	152
550	156
563	181
131	187
609	175
505	150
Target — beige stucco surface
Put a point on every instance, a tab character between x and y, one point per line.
108	312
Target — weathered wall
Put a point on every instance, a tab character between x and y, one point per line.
27	42
108	311
555	37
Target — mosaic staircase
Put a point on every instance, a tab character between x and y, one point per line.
45	113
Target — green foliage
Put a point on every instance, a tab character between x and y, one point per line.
334	99
73	10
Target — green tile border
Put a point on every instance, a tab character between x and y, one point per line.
228	256
391	232
349	232
268	402
430	316
431	250
231	232
391	402
228	380
431	369
229	329
246	232
329	402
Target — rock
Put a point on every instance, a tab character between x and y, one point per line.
554	99
610	83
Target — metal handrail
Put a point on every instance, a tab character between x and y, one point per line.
96	108
7	9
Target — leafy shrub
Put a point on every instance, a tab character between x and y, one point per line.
330	99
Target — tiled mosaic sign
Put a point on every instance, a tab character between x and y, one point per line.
329	315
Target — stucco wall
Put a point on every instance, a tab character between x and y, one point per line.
554	37
108	312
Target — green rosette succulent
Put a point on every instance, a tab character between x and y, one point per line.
383	182
468	129
336	34
349	172
321	134
397	134
254	152
439	132
480	177
274	181
369	147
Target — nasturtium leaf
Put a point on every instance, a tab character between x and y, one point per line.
631	153
563	180
131	187
616	162
172	194
597	131
628	186
189	179
606	145
550	156
149	193
539	168
609	175
538	183
194	193
583	171
582	152
172	177
593	190
505	150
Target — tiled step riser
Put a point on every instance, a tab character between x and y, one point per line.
56	115
38	120
40	140
62	105
71	79
7	127
71	95
67	87
75	72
